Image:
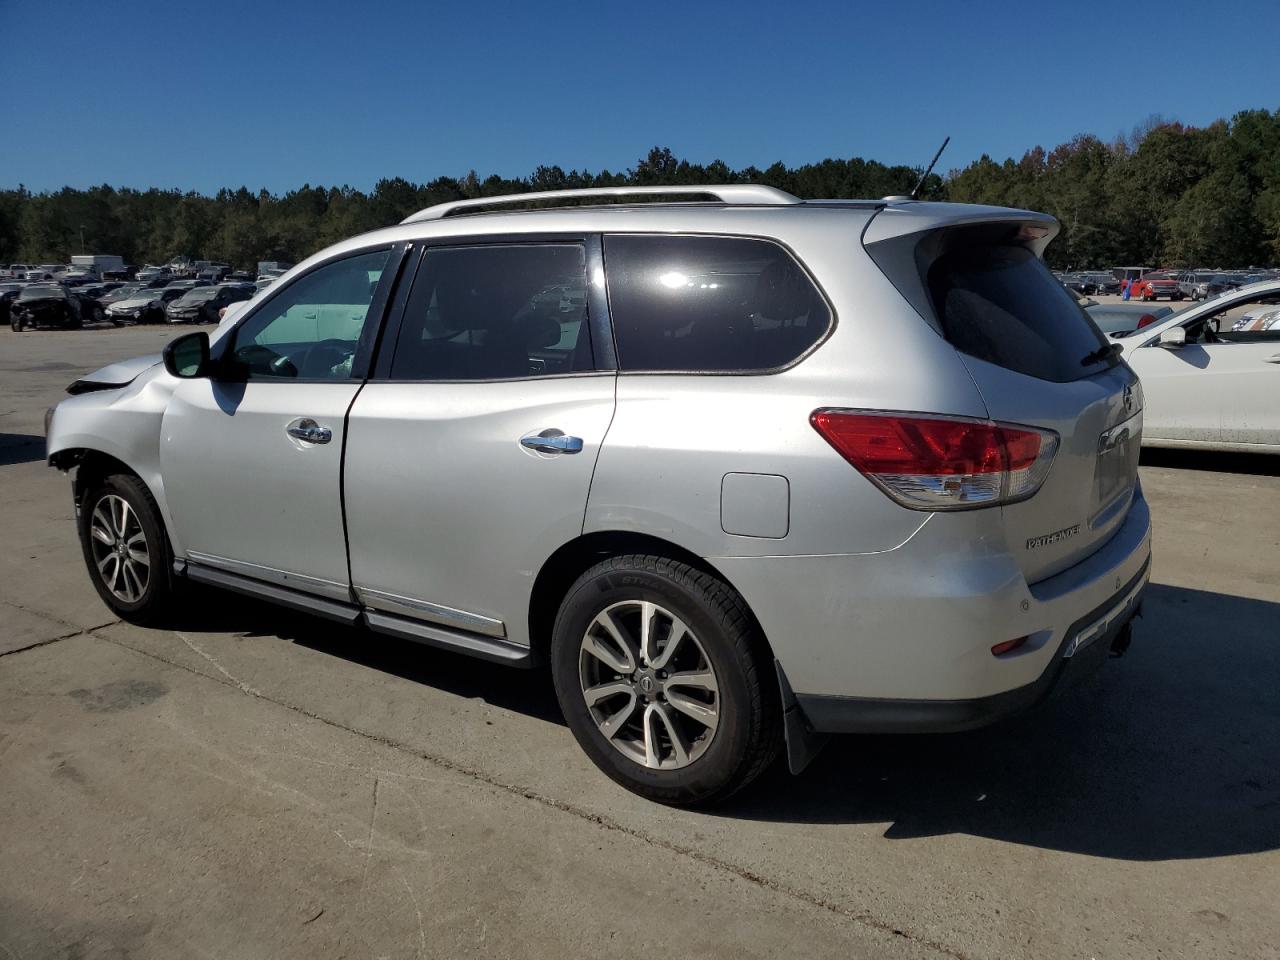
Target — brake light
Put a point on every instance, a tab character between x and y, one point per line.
941	463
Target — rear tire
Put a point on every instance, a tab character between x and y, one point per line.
126	549
15	324
698	715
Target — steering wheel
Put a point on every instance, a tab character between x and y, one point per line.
282	366
325	355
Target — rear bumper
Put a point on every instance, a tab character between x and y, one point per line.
901	639
1087	643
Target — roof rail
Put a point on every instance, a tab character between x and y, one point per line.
744	193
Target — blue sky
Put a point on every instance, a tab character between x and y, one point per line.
274	94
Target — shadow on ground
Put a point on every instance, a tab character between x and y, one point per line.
20	448
528	692
1172	752
1259	464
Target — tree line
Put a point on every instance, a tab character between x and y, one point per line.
1166	194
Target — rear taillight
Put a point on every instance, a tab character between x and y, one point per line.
941	463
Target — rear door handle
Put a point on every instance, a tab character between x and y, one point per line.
1275	359
308	431
548	442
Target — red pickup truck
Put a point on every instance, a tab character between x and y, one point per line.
1154	286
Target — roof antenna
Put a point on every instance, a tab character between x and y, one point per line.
915	194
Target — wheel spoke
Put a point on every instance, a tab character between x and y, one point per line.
679	748
647	623
704	713
678	632
100	534
137	547
652	757
132	585
613	724
602	691
696	679
626	663
103	524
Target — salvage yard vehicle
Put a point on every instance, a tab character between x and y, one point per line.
51	305
203	304
1206	384
1153	286
668	449
144	306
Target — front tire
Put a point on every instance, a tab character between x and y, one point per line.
665	680
126	549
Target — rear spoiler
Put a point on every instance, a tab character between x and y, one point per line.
903	240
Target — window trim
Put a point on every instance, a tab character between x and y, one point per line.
786	248
370	334
599	328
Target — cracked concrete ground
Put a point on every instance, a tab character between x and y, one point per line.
255	783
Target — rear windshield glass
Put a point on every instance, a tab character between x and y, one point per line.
1000	303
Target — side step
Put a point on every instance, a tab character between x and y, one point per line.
447	638
293	599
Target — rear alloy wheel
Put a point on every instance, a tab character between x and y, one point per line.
665	680
125	548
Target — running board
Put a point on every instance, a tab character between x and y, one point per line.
460	641
293	599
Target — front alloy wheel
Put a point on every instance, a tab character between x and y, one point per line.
125	547
120	550
648	685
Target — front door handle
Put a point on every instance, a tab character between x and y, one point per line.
550	441
308	431
1275	359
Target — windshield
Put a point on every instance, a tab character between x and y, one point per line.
42	293
199	295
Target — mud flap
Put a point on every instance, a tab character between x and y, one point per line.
803	744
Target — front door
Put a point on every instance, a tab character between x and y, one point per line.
471	450
252	459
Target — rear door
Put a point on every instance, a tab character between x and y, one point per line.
1038	360
470	452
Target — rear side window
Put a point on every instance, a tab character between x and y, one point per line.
496	312
709	304
1001	304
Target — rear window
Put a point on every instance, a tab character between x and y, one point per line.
710	304
1000	303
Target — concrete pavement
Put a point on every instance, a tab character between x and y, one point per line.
257	783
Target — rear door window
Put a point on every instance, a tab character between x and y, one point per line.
496	312
1001	304
714	304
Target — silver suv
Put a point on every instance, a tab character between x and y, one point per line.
743	472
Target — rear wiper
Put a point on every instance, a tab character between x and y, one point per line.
1102	353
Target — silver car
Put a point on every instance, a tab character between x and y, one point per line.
743	470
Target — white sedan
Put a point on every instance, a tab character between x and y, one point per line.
1206	385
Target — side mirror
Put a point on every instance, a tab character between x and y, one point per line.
1172	339
188	357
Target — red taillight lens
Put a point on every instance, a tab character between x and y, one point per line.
936	463
1145	320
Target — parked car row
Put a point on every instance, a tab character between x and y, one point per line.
1149	284
27	306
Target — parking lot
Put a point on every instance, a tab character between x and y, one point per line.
259	783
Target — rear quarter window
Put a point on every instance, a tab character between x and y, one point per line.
1000	303
709	304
